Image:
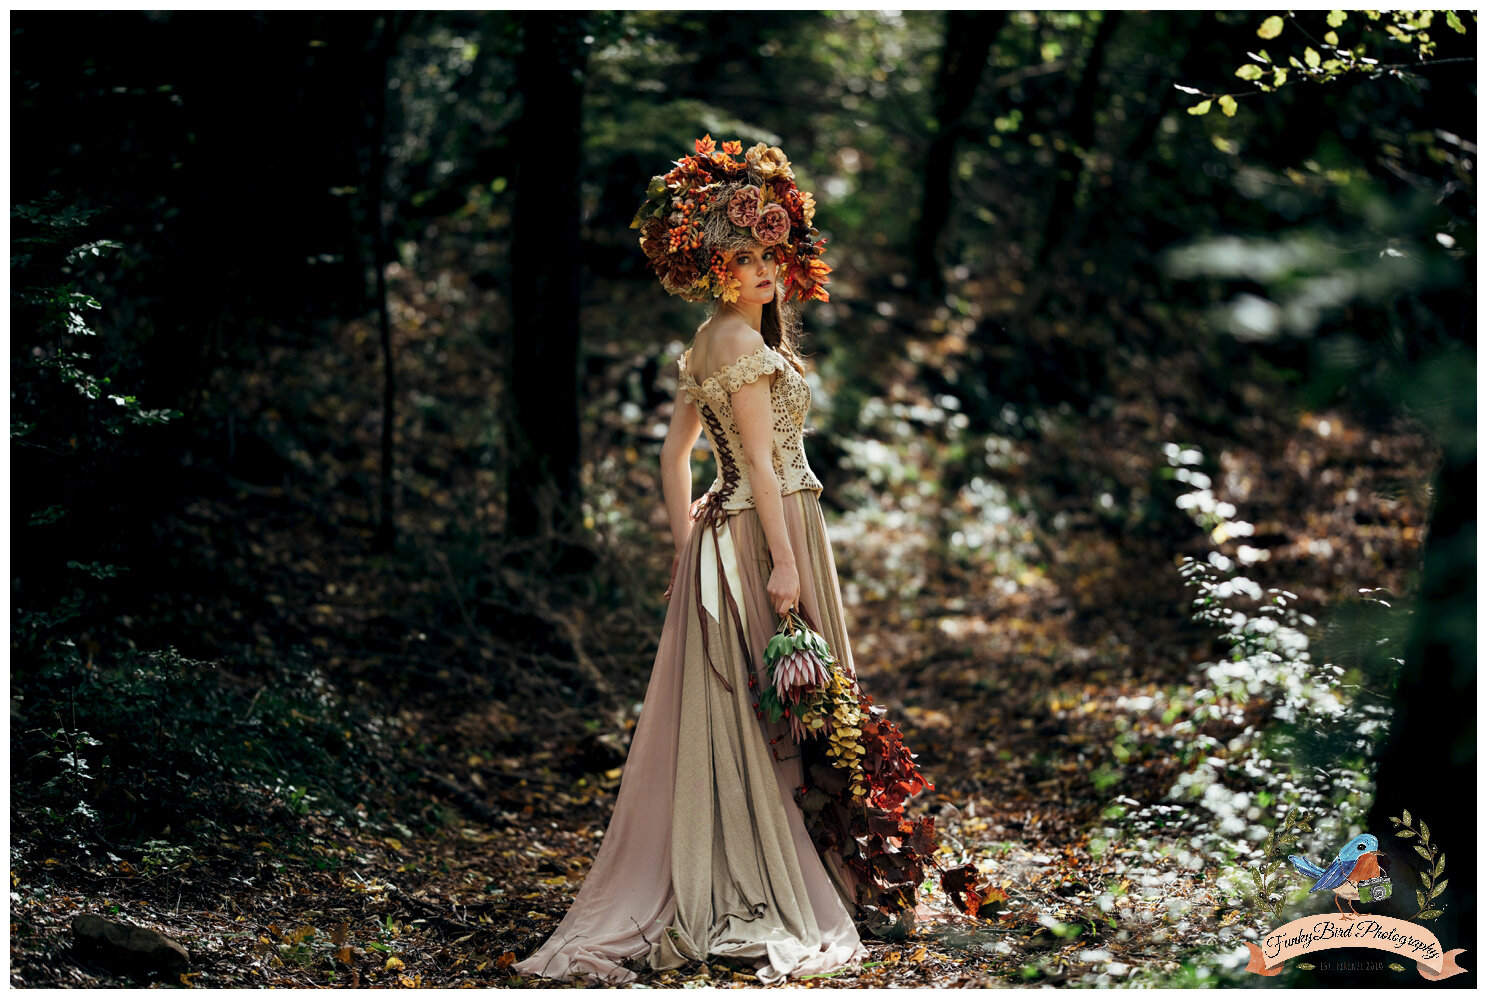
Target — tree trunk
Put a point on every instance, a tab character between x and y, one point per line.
1428	764
381	53
968	39
1059	223
543	498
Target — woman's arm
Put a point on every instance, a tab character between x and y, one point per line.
755	418
676	467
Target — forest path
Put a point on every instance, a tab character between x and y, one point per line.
1047	715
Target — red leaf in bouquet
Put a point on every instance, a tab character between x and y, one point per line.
922	837
888	823
888	851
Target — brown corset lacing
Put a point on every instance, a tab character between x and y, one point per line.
708	512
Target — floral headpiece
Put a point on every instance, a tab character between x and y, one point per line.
710	206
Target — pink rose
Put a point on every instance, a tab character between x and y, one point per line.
773	225
743	207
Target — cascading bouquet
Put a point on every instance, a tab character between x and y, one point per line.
860	812
808	688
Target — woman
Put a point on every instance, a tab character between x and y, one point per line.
708	852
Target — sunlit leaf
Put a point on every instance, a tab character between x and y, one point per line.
1228	105
1202	107
1271	27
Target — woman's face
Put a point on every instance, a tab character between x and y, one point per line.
756	268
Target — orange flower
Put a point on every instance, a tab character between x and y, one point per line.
816	271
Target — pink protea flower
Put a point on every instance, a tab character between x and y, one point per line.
773	225
743	207
799	674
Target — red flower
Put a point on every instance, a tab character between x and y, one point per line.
654	239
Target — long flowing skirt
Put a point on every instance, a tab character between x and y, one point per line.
707	852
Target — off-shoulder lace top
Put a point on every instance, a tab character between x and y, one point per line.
790	399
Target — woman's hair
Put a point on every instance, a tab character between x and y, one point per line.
780	326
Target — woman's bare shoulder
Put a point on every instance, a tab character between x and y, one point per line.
722	341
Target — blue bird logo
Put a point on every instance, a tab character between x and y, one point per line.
1356	875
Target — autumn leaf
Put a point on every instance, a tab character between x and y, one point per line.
506	960
960	884
705	145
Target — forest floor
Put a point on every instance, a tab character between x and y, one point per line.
1047	703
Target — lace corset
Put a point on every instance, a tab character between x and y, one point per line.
790	399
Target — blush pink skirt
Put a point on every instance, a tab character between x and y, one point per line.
707	852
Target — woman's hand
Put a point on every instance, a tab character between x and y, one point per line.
672	585
784	587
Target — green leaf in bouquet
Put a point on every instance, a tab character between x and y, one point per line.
769	704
